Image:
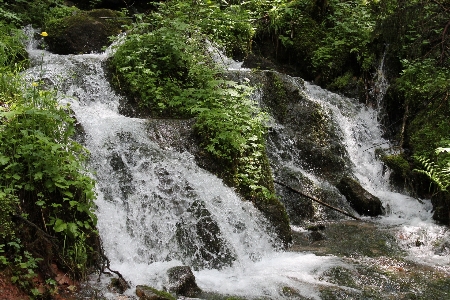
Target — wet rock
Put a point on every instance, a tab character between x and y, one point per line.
316	227
148	293
202	240
83	32
361	200
299	207
315	236
118	285
441	207
182	282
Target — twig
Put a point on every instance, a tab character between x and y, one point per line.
107	265
317	200
376	145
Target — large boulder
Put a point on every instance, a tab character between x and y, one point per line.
84	31
182	282
304	134
360	199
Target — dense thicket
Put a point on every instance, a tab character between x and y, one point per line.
46	195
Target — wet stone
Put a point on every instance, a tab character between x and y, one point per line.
149	293
182	281
360	199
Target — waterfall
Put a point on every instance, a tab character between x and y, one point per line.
410	218
381	83
157	209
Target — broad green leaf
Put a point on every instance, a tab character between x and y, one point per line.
3	160
60	225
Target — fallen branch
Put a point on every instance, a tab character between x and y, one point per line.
45	235
317	200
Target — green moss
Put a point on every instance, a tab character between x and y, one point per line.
83	31
275	96
398	164
142	289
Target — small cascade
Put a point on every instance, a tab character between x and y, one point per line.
381	83
410	218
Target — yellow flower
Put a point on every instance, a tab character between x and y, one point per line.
43	33
35	84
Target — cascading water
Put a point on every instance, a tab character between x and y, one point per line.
157	209
411	218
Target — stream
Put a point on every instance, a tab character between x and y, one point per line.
158	209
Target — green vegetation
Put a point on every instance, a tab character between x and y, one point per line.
166	65
46	194
339	44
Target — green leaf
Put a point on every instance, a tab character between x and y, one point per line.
3	160
73	229
60	225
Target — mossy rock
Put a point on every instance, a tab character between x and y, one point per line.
84	31
317	144
360	199
400	168
148	293
182	281
441	207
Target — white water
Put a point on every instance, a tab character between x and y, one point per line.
149	199
146	194
411	219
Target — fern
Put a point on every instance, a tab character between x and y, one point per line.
438	171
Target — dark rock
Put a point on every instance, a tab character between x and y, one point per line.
118	285
299	207
202	240
182	282
316	144
83	32
315	236
441	207
316	227
149	293
360	199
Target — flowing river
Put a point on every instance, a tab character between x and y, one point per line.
155	205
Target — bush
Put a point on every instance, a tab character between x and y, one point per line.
44	187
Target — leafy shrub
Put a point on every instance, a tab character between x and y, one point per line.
161	68
227	25
43	180
347	38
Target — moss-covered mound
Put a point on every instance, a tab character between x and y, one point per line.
84	31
